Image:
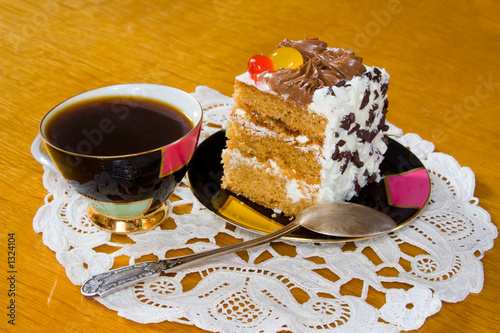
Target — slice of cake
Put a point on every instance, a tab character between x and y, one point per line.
310	133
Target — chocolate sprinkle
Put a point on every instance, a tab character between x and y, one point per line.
344	166
347	121
366	135
356	160
348	157
336	154
378	75
386	105
366	99
354	129
384	88
382	125
357	187
370	178
371	115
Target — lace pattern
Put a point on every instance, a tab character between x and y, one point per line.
266	291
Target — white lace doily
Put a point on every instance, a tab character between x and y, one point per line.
434	259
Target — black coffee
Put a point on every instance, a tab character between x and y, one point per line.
118	125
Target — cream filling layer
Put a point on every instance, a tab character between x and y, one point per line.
299	142
296	189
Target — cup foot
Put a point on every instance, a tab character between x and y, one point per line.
128	225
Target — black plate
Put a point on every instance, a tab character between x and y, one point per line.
402	195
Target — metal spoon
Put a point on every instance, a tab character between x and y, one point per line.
341	219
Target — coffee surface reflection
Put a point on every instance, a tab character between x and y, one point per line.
116	125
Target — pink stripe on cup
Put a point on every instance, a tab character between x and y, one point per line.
178	154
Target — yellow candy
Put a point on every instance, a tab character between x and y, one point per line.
286	57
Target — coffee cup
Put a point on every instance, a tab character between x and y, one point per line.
124	149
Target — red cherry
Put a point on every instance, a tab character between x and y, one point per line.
258	64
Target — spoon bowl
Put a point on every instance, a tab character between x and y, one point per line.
345	219
340	219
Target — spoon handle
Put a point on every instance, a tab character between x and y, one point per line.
105	283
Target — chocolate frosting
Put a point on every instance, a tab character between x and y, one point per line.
322	67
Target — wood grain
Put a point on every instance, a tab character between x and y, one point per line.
445	84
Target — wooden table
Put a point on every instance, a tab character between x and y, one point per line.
445	84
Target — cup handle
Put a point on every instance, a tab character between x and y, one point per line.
40	155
